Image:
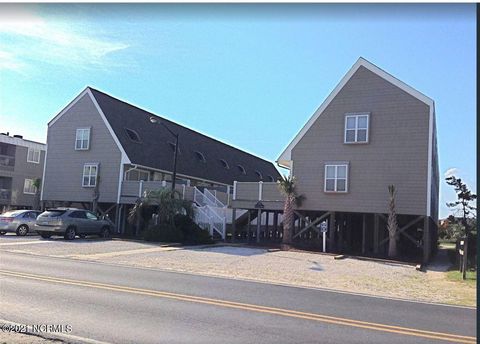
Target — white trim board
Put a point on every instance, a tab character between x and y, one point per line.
285	158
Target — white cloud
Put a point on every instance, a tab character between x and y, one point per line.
26	37
451	172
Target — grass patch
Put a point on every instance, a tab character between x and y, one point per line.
456	276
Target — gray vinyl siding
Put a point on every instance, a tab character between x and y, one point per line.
397	152
64	164
23	170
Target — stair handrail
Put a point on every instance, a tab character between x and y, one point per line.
211	197
202	218
218	222
198	197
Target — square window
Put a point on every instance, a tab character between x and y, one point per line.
89	178
33	155
356	128
336	177
82	139
28	187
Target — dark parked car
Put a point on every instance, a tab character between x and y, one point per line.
18	221
71	222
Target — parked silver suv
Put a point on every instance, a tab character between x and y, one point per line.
70	222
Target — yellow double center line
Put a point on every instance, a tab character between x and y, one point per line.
251	307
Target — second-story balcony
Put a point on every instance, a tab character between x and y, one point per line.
134	189
247	195
7	162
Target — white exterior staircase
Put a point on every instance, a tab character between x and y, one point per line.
210	212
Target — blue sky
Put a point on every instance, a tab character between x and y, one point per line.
249	75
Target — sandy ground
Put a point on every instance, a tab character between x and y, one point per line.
305	269
289	267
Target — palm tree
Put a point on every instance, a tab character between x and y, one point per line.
166	206
392	224
286	186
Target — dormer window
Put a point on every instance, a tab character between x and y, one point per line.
82	139
356	127
132	135
270	178
225	164
241	169
200	156
259	175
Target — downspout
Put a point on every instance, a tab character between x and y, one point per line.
130	169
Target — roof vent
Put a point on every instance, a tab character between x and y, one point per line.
18	136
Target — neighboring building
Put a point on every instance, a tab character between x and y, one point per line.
21	163
103	153
372	131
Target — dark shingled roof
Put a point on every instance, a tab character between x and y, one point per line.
155	148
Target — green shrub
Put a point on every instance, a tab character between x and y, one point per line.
192	233
164	233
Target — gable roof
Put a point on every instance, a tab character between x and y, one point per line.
154	148
284	160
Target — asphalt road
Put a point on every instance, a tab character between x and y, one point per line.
117	304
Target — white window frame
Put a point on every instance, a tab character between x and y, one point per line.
356	115
89	175
28	187
336	165
35	154
82	138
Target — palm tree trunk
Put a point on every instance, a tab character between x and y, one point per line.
288	217
392	224
392	246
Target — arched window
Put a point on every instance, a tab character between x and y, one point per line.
259	175
132	135
224	164
241	169
200	156
270	178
